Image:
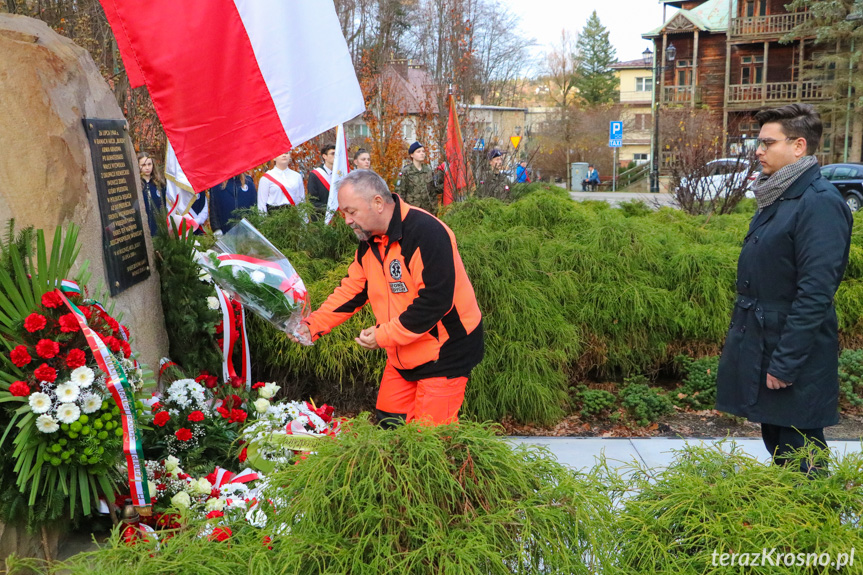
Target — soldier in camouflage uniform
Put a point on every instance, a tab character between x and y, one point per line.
494	183
416	181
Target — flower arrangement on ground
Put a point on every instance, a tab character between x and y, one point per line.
67	369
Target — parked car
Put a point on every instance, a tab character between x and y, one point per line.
717	174
848	179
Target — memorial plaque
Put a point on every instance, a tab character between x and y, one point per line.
123	245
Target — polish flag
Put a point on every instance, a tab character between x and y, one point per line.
237	82
458	178
341	168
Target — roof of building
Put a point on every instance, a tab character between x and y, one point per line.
631	64
712	16
414	88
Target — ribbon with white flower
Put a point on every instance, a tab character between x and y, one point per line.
121	391
292	287
229	340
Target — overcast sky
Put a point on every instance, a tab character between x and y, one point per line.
626	20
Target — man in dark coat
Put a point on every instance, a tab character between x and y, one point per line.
780	363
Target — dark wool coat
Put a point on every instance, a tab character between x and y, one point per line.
784	322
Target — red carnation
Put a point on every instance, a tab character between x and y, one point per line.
196	416
112	323
238	416
45	373
183	434
125	330
52	300
214	514
47	348
19	356
19	389
259	385
220	534
69	323
88	313
161	487
35	322
161	418
112	342
182	476
76	358
237	382
220	327
223	412
243	456
156	407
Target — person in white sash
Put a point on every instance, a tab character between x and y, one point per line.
280	187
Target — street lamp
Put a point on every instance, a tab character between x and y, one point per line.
649	60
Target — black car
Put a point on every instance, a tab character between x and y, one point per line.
848	179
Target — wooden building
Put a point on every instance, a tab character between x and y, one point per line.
729	60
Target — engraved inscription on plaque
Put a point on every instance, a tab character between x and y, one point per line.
123	245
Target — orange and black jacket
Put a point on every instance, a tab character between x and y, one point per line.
428	318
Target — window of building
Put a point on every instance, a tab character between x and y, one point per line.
751	69
755	8
644	84
642	122
684	72
357	131
640	158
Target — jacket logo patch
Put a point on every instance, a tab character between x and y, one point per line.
398	287
396	269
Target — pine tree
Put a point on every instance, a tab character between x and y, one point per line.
596	82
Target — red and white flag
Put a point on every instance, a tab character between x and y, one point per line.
341	168
237	82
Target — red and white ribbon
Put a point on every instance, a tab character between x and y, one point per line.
229	340
224	477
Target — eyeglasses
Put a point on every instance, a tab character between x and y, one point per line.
763	144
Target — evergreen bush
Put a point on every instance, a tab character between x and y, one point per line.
567	289
851	378
643	403
594	402
699	382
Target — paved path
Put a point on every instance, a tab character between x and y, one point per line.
582	452
615	198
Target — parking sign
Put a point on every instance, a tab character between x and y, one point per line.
615	134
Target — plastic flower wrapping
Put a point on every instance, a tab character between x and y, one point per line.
252	271
284	430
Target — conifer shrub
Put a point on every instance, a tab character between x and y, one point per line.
450	499
851	379
698	390
593	402
643	403
567	289
709	502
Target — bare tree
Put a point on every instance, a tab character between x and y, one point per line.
560	74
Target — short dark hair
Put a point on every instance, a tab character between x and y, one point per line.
360	152
797	121
327	147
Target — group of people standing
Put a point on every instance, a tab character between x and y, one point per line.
278	188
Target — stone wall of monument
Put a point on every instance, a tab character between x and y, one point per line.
47	86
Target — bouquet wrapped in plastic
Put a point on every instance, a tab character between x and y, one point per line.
250	269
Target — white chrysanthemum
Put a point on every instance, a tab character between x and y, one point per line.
91	403
46	424
68	413
212	302
67	392
40	402
83	376
257	276
262	405
214	504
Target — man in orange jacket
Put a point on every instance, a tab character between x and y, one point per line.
408	267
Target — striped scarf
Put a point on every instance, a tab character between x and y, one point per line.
768	188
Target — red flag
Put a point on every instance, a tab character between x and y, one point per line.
237	82
458	174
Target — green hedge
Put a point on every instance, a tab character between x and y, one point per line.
567	290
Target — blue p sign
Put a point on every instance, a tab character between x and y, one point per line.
615	131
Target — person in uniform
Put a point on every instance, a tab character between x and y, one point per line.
407	266
227	198
416	181
280	187
494	183
153	189
320	178
780	363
